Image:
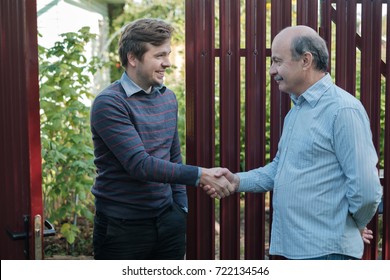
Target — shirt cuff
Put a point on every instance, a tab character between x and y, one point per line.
199	174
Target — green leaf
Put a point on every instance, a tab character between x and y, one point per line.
69	231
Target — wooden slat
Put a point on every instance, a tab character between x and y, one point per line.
325	29
20	163
230	122
341	42
371	86
255	120
386	171
200	64
307	13
280	102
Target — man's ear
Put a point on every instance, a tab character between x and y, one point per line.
307	60
131	60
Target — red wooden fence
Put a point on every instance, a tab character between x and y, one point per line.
215	51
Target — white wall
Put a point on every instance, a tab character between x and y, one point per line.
61	16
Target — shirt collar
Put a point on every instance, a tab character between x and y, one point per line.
314	93
132	88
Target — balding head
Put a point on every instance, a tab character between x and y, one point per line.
299	30
303	39
299	59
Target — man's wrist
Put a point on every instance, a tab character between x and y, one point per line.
199	175
236	182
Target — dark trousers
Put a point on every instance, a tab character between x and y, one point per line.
160	238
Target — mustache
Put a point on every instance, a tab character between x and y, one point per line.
278	78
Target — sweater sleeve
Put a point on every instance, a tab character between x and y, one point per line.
179	191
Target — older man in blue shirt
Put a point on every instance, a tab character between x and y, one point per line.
324	178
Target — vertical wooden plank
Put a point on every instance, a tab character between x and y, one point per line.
12	220
376	42
376	104
371	86
200	64
20	163
34	164
307	13
345	19
255	120
230	122
386	171
341	42
325	29
280	102
350	46
366	56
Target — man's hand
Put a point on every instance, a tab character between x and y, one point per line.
221	186
219	172
367	235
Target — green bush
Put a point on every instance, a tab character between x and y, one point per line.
67	153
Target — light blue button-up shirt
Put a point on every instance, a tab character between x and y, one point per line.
324	178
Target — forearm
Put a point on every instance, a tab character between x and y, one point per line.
260	179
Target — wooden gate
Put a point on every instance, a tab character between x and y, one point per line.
21	219
230	96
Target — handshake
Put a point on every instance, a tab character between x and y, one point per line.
219	182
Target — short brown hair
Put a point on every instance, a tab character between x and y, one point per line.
138	33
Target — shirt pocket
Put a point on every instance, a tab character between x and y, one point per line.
301	151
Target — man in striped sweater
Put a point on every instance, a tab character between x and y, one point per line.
140	188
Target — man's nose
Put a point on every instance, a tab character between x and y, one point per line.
166	63
272	70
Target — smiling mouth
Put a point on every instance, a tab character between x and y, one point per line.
160	74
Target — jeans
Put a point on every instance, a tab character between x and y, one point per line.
338	257
160	238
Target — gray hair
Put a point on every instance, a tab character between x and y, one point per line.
313	44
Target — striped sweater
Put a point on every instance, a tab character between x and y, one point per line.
137	152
